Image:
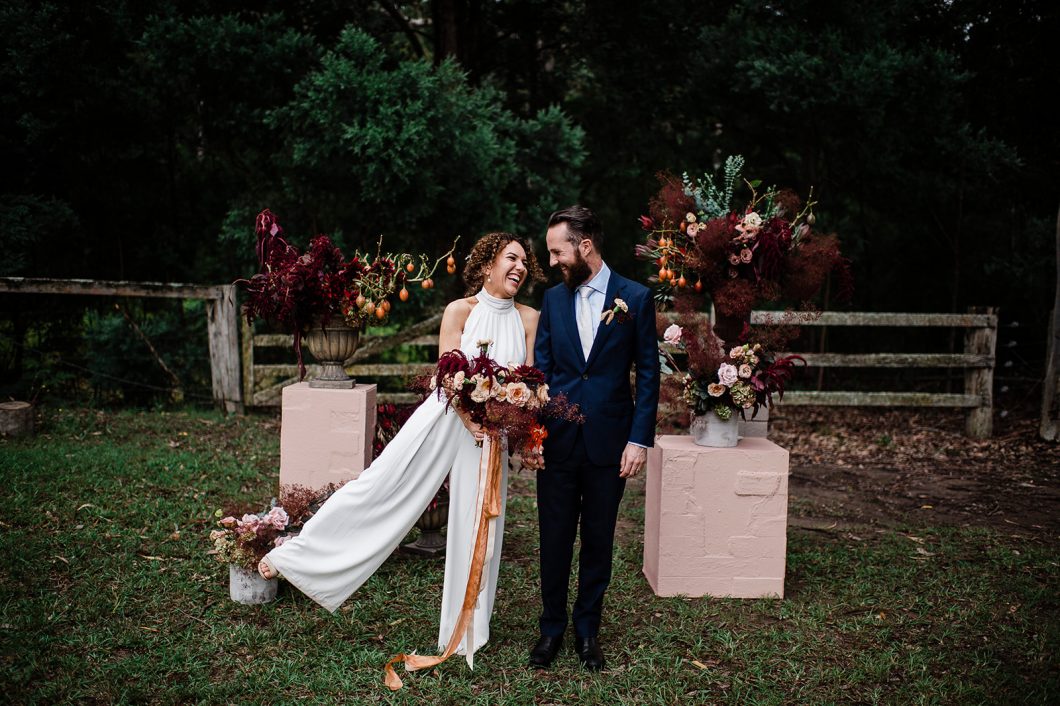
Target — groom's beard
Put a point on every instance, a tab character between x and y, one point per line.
577	274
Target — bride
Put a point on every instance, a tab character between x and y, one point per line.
360	525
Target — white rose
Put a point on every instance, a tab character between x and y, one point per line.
672	335
727	374
458	379
745	371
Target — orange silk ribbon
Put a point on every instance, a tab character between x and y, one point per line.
489	508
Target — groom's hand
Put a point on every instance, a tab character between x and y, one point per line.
633	459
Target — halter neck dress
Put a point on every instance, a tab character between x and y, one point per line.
364	521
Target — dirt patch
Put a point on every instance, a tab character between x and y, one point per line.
899	467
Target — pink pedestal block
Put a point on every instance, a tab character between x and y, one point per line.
715	520
325	435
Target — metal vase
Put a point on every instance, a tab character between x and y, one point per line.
711	430
332	345
431	540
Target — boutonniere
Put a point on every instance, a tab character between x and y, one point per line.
619	312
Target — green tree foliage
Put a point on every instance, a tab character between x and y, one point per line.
413	150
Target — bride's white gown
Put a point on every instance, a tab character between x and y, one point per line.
360	525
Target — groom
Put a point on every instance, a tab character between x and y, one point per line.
594	328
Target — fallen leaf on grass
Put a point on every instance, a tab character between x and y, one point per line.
709	663
82	507
61	558
153	558
924	552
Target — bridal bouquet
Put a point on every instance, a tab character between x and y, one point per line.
724	382
506	401
740	253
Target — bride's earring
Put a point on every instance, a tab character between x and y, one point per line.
488	277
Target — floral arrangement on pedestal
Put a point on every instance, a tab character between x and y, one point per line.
765	250
507	402
302	290
723	382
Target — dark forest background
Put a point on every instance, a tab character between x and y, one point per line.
139	139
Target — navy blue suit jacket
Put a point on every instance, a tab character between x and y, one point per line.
601	384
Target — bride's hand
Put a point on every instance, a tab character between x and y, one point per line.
535	462
475	429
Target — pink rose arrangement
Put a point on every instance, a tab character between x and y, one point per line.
723	382
245	540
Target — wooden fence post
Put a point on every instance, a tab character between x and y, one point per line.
979	423
248	361
1049	427
222	324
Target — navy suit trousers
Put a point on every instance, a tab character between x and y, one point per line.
570	491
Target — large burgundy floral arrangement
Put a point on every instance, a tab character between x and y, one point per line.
703	238
298	290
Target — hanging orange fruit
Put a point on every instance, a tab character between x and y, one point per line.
682	281
386	305
403	295
699	285
410	267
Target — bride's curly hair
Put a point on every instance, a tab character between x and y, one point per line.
484	252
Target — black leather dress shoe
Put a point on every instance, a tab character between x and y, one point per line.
589	653
545	651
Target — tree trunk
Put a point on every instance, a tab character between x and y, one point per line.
16	419
1050	419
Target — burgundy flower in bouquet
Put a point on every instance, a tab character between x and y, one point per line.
504	401
763	251
301	290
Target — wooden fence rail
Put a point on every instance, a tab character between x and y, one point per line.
977	361
221	319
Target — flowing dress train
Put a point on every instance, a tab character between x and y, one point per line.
364	521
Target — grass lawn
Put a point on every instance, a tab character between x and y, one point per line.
107	595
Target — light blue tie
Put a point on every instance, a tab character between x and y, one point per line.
585	319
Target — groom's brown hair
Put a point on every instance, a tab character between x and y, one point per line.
581	223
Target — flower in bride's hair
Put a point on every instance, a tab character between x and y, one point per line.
483	388
518	393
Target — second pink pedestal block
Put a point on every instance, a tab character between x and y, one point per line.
716	518
325	435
